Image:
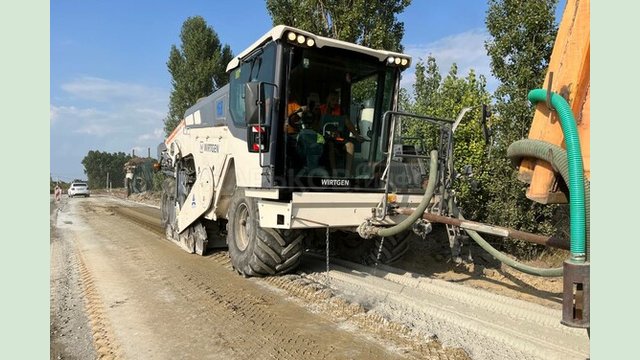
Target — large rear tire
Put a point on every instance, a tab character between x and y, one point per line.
256	251
350	246
393	248
139	185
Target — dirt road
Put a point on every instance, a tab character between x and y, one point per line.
146	298
120	290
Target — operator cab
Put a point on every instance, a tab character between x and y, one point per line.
319	115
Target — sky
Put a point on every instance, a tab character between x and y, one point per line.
110	87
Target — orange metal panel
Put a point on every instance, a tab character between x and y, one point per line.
570	66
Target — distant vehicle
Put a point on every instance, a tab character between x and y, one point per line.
78	188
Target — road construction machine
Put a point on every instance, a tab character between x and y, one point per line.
264	164
306	142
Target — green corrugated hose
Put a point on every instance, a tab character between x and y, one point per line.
576	170
557	157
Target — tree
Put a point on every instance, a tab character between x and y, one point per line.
426	87
522	34
98	164
369	23
197	69
445	98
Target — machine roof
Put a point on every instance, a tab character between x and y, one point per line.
280	31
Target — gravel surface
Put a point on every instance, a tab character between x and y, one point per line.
486	325
115	279
144	297
70	334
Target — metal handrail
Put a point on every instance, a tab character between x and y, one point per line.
391	140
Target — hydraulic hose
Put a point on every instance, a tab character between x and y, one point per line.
557	158
575	179
426	199
553	272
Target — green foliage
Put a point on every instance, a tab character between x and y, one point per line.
445	98
369	23
493	194
98	164
426	87
158	178
522	34
197	68
52	185
364	90
404	101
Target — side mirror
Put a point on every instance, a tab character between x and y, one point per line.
254	102
486	132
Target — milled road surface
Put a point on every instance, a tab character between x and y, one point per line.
120	290
486	325
145	298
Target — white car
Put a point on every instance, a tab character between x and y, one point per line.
78	188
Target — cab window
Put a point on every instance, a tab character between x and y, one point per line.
260	67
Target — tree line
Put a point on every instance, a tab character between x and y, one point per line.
101	166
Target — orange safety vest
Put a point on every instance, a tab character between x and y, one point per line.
334	111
